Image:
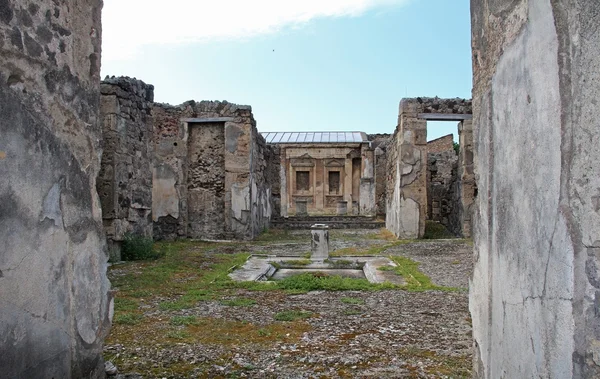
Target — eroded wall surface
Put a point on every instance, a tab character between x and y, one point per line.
125	179
536	285
54	302
442	172
379	144
186	192
406	193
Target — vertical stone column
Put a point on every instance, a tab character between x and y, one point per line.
342	208
466	176
412	206
367	182
320	242
348	181
283	180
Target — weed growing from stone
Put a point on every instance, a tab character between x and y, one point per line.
239	302
137	247
183	320
178	334
292	315
352	300
127	319
125	304
435	230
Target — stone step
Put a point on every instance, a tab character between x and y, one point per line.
334	222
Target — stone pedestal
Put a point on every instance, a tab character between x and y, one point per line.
320	242
342	208
301	209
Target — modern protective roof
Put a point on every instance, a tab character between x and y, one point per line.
315	137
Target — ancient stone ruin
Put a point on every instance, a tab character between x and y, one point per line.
54	295
535	290
406	192
526	183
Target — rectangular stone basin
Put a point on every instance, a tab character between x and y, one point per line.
283	273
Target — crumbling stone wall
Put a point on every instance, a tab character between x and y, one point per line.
441	144
442	171
406	192
536	284
125	179
273	176
379	144
170	171
245	199
54	301
206	180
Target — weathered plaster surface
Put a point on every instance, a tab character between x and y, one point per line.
210	161
54	301
407	163
534	291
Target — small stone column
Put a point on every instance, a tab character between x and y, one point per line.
320	242
342	208
301	208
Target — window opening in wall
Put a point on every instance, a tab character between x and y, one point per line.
334	182
302	180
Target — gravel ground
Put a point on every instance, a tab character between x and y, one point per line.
351	334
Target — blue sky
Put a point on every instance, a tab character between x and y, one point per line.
310	65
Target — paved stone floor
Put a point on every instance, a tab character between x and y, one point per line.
244	332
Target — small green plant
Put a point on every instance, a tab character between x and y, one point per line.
178	334
183	320
137	248
318	281
352	312
435	230
124	304
239	302
292	315
386	268
128	319
264	332
298	262
352	300
456	146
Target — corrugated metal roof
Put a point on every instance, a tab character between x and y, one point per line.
314	137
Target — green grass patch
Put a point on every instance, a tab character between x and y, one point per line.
183	320
239	302
292	315
178	334
298	262
137	247
352	300
435	230
377	249
414	278
127	319
315	282
125	304
352	312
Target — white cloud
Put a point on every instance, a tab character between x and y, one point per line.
130	24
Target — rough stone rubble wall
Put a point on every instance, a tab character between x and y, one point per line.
379	143
125	179
441	144
246	198
406	199
170	172
536	284
273	177
54	302
441	181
